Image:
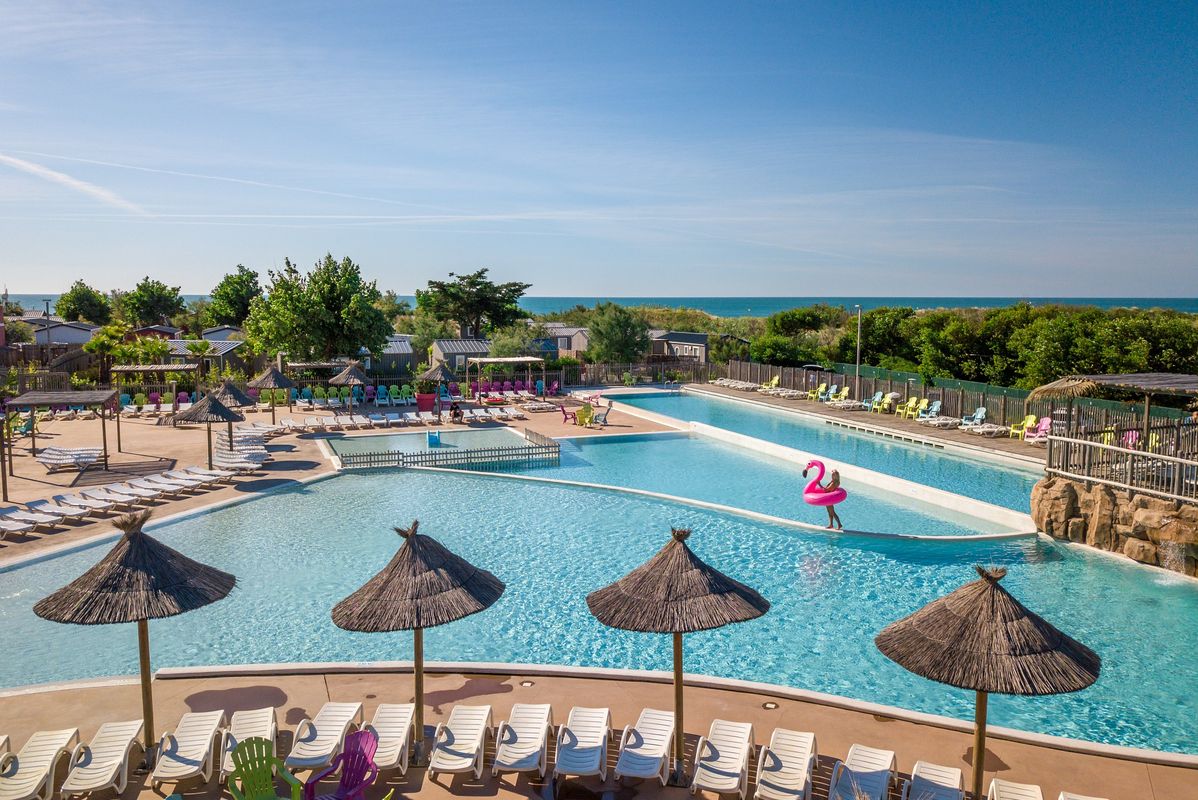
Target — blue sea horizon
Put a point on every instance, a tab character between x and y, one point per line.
764	306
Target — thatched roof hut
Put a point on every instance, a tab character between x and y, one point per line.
209	409
352	375
424	585
140	578
979	637
675	592
271	379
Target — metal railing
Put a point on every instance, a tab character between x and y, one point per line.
1124	468
540	451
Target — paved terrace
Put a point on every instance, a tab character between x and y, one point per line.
888	423
298	696
150	448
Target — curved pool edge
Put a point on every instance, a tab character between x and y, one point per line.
899	487
736	510
1081	746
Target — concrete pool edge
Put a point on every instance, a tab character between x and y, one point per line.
1121	752
735	510
927	495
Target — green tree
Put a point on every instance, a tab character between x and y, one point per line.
327	312
728	348
392	307
517	340
794	322
152	302
199	349
194	318
783	351
17	332
104	344
82	302
231	298
426	329
475	303
617	335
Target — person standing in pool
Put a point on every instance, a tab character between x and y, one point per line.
833	483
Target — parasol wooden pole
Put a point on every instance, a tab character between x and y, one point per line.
208	425
3	457
117	416
678	774
104	436
979	742
147	693
1147	421
272	406
418	675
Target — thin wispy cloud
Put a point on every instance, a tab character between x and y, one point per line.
98	193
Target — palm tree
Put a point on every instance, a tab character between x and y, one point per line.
198	349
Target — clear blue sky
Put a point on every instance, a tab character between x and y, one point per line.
780	148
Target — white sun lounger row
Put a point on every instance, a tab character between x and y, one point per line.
80	458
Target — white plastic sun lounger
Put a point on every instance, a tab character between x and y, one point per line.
319	740
645	746
865	774
393	729
191	478
377	419
314	423
785	765
458	743
522	740
105	495
161	486
361	421
14	514
934	782
722	758
1009	790
394	418
259	722
58	509
83	502
170	484
8	526
104	762
497	413
410	418
582	743
30	773
428	417
201	472
514	412
1072	796
130	489
190	750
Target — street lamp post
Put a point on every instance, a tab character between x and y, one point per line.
46	321
857	388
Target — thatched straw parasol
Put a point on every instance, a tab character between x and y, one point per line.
424	585
352	375
231	396
140	579
979	637
210	410
440	373
273	379
675	592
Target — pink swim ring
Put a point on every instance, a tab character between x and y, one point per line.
816	495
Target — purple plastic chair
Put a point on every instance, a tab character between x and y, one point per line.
358	769
518	386
553	388
474	388
485	386
182	397
370	394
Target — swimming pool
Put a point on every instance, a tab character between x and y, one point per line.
1010	487
314	544
413	441
701	469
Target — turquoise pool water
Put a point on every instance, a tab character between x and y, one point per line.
412	441
701	469
1004	486
314	544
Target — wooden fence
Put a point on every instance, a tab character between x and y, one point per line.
540	451
1167	476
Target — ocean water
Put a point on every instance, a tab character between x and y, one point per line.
764	306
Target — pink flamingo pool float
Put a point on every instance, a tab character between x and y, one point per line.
816	495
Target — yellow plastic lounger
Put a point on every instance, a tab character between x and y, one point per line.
257	722
458	743
582	744
785	765
1009	790
934	782
190	750
645	746
318	741
392	726
104	763
865	774
30	772
722	758
522	740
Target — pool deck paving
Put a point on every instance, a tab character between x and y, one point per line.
888	424
148	448
297	696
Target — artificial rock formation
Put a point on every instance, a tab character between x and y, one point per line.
1151	530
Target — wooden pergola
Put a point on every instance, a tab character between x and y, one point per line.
527	361
1149	384
31	401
